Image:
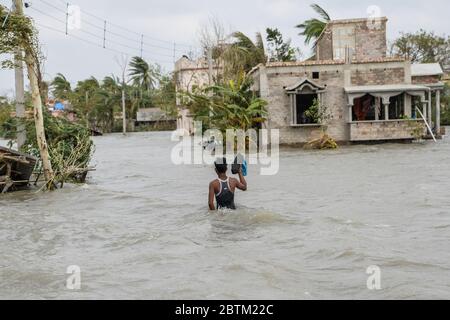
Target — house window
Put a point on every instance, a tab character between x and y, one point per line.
397	107
343	37
416	102
315	75
303	103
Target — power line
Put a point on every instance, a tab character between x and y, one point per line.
121	27
136	41
103	38
91	42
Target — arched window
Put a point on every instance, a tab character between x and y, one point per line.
305	95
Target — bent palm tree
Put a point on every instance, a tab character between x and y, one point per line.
61	87
242	55
313	28
142	74
106	98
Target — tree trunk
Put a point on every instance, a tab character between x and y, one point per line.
39	120
37	105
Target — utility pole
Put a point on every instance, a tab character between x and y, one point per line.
210	75
124	111
37	103
123	63
210	66
20	93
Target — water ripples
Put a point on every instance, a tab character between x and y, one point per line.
142	230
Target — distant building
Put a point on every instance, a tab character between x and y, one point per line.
369	96
446	76
61	109
190	74
152	116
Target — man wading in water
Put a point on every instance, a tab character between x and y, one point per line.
224	187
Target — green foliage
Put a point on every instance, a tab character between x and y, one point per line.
99	103
70	147
242	55
143	75
416	127
427	47
17	32
61	88
313	112
7	123
229	106
423	47
318	113
166	97
279	50
313	28
445	110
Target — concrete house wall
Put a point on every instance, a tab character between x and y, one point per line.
368	39
350	62
272	79
189	74
275	79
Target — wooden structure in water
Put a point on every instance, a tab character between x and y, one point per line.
16	169
95	132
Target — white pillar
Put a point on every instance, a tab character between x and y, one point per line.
408	105
438	112
424	110
294	109
377	108
430	114
386	102
350	113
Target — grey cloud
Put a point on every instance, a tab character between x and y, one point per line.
178	21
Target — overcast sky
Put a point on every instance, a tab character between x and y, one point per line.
180	20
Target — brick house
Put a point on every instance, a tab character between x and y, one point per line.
189	74
368	95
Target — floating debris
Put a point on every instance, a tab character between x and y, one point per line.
16	169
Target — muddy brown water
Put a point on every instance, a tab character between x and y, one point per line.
140	228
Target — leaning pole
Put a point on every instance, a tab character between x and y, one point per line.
19	93
36	99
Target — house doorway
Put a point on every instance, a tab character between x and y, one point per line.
364	108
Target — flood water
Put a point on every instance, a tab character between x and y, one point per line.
140	228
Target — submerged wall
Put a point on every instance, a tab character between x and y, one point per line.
385	130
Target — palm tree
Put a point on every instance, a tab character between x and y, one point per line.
241	55
84	95
313	28
229	106
61	87
253	52
142	74
107	97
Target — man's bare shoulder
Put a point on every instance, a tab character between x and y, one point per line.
214	183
